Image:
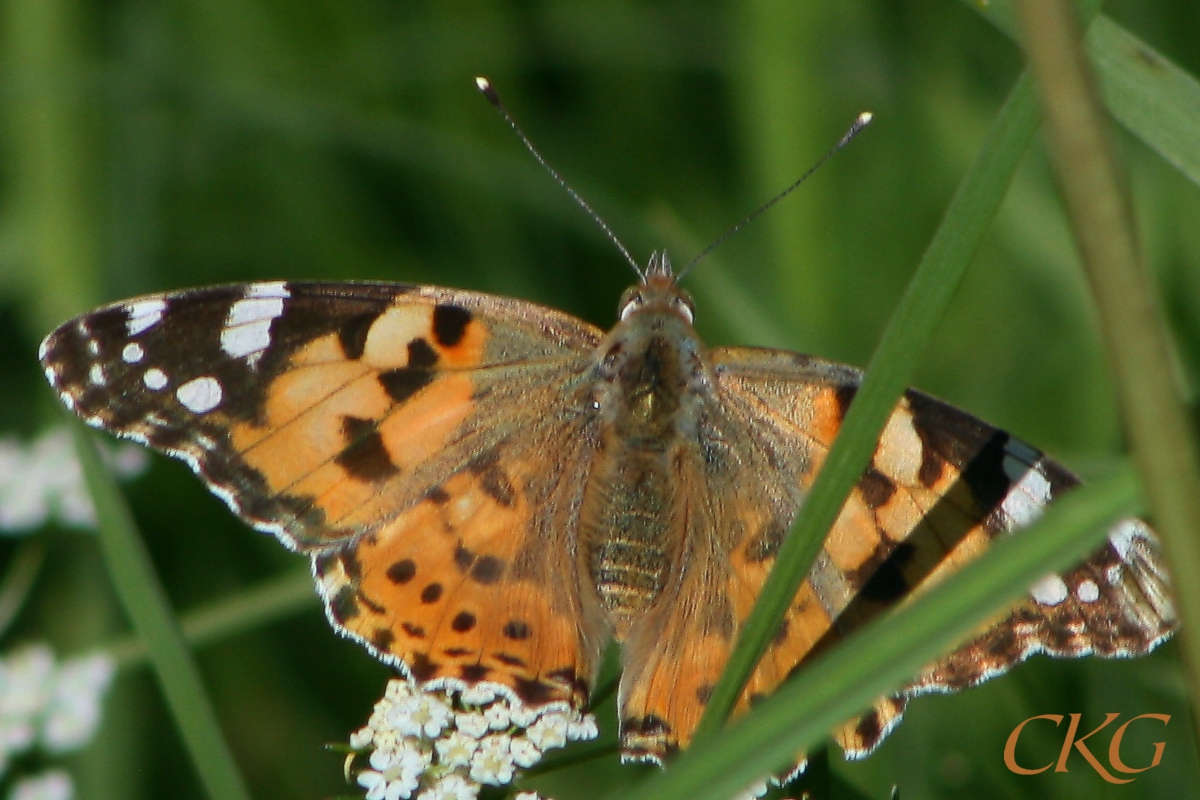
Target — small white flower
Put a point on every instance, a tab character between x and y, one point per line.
361	739
54	784
528	796
451	787
524	753
396	774
472	724
420	715
73	712
26	677
397	689
497	716
44	479
456	749
492	763
523	716
549	732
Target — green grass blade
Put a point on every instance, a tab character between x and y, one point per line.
1148	94
889	373
1153	98
146	604
273	599
1131	317
893	648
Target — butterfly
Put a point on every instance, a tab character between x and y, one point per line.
491	490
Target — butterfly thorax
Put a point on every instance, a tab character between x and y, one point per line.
652	377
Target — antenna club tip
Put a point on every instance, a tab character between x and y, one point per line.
485	87
863	118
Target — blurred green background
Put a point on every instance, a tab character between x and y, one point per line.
155	145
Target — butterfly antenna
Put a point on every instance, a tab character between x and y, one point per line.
863	120
485	87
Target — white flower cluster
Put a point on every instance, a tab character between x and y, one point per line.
56	706
445	744
43	480
52	784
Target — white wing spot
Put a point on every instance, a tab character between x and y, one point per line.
93	348
144	314
253	337
248	326
1122	535
254	309
1030	491
200	395
154	378
132	353
1088	591
268	289
96	375
1050	590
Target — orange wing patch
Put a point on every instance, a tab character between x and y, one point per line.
440	588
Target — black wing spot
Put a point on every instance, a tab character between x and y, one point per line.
415	631
509	660
463	622
421	355
888	584
493	480
766	544
382	638
876	488
449	323
421	667
344	605
649	725
365	457
353	333
704	693
402	383
516	629
844	395
402	571
431	593
487	569
932	466
534	692
463	558
438	495
985	474
474	672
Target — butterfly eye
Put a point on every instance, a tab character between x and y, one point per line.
683	304
631	301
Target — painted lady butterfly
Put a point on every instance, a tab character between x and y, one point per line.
490	489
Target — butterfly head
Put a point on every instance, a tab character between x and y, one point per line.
657	291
